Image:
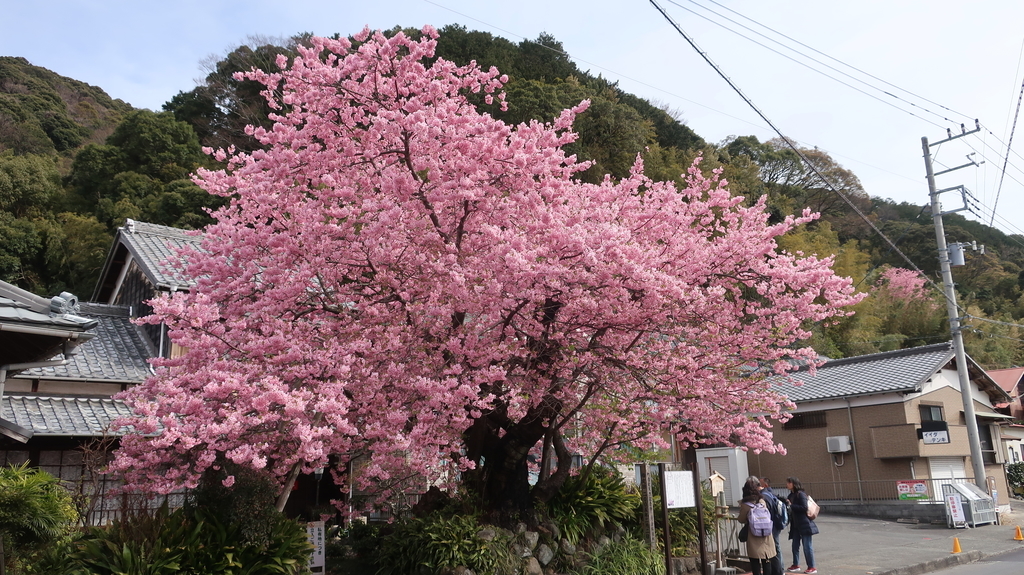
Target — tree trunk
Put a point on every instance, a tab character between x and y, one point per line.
286	491
502	477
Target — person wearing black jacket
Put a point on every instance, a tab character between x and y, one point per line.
778	567
801	527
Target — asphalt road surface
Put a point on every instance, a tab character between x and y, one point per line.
1011	563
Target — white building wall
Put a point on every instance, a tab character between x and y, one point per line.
731	463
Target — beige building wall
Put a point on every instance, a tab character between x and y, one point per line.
808	458
885	448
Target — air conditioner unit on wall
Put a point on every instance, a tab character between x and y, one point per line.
838	444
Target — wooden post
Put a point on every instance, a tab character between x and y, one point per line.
698	498
664	514
647	501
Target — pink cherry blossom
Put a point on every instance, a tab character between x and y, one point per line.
406	282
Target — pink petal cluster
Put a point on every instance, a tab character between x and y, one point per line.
395	265
904	284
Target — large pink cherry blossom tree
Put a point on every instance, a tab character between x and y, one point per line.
405	279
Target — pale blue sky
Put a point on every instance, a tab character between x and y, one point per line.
963	56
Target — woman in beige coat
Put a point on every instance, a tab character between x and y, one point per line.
760	550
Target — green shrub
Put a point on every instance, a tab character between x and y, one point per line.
629	556
249	502
437	543
145	542
185	542
1015	476
589	503
359	541
223	547
35	512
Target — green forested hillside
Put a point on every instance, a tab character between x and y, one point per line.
75	163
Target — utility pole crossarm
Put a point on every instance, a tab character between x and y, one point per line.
963	130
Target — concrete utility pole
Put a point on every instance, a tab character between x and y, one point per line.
973	437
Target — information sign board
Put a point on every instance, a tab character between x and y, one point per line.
679	489
956	508
315	533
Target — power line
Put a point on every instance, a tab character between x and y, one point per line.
995	321
613	73
787	141
966	116
811	58
677	96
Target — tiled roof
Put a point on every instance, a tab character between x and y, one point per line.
22	307
892	371
118	353
62	416
151	245
1007	378
34	328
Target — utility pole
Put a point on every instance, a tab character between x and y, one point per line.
973	437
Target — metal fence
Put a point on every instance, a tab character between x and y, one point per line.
880	490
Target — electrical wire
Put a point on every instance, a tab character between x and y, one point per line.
922	337
966	116
811	58
995	321
1007	147
613	73
788	142
997	335
898	240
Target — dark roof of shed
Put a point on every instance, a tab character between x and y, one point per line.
62	416
151	245
903	371
118	353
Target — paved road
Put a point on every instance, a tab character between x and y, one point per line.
857	546
1011	563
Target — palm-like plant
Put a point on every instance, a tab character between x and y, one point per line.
34	510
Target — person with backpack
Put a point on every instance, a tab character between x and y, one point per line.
757	522
801	527
780	518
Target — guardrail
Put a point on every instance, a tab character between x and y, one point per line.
876	490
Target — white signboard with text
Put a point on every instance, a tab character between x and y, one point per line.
315	532
679	489
956	508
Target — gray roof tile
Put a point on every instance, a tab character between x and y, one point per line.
18	306
151	245
893	371
62	416
118	353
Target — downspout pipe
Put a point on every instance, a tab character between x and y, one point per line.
856	460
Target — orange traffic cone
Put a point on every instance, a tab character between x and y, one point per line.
956	545
1018	536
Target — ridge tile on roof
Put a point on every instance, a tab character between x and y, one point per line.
118	353
893	371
